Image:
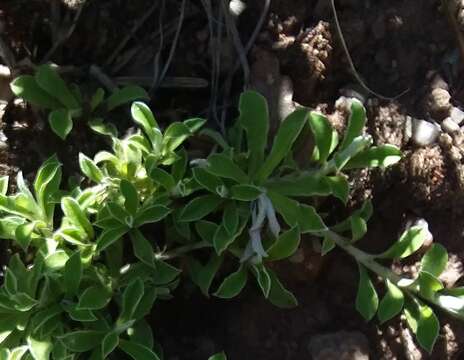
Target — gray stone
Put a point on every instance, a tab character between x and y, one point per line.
457	115
341	345
449	126
424	132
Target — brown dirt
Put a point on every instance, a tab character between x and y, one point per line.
395	45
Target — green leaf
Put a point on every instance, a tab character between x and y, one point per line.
27	88
435	260
376	156
10	282
73	273
194	124
56	260
109	236
143	116
97	99
79	315
285	246
100	127
39	349
208	181
429	285
40	318
142	247
203	275
223	166
423	322
137	351
61	122
199	207
175	135
206	230
339	187
94	298
4	184
309	220
73	211
391	304
358	227
245	192
90	169
367	300
230	217
125	95
356	123
18	352
151	214
216	137
50	81
110	343
146	303
164	273
163	178
23	234
327	245
263	278
131	197
233	284
81	340
322	131
119	213
218	356
278	295
409	242
130	300
254	118
286	135
222	239
47	184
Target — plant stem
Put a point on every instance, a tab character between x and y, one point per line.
369	262
182	250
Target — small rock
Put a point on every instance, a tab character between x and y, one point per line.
424	133
237	7
341	345
450	126
453	272
438	104
445	141
457	115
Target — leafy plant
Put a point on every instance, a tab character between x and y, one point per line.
80	288
48	90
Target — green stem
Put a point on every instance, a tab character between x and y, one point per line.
369	262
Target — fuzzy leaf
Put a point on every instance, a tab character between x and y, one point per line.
27	88
131	197
207	180
391	304
142	248
73	211
125	95
94	298
233	284
199	207
222	166
81	340
151	214
278	295
285	246
322	131
367	300
50	81
254	118
90	169
435	259
137	351
410	241
356	123
377	156
131	298
286	135
73	273
245	192
110	343
61	122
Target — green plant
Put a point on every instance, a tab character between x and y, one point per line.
48	90
80	289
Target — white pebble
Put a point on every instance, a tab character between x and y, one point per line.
449	126
424	133
237	7
457	115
